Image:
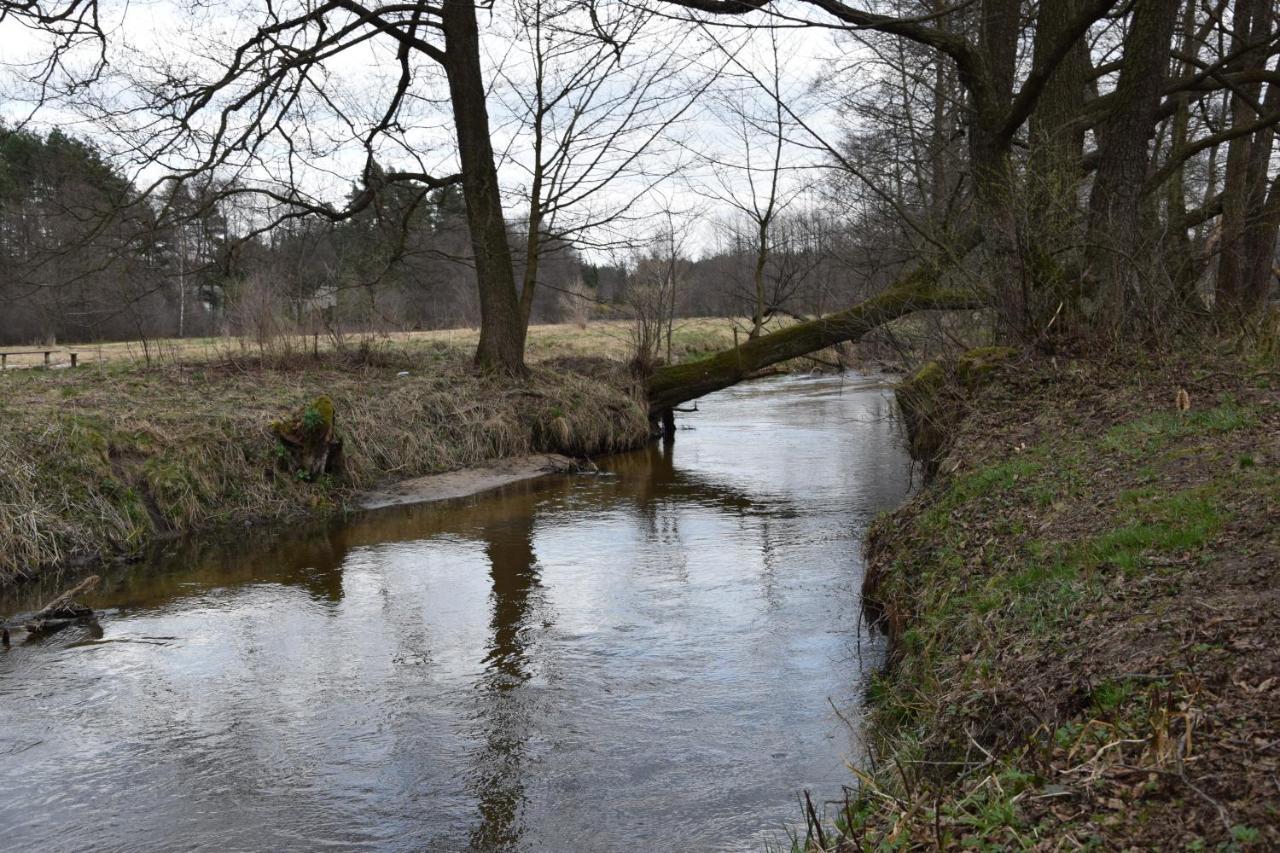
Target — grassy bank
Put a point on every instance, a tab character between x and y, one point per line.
100	461
1084	618
170	437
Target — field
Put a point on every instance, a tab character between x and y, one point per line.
603	339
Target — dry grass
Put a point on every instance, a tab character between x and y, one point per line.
171	438
102	460
603	339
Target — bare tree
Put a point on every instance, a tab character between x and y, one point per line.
269	101
1032	91
596	93
753	181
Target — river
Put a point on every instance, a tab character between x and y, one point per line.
658	658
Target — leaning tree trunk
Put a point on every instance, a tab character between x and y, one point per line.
678	383
501	330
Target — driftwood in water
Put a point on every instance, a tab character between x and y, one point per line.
63	610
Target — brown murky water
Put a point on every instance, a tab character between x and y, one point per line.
648	660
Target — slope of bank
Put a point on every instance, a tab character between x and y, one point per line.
1083	610
99	462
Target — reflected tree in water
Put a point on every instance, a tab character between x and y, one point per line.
497	781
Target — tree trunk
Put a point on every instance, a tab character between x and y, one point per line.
1057	134
1182	260
1054	173
1229	290
501	330
990	99
1260	225
1124	157
757	279
988	151
675	384
532	259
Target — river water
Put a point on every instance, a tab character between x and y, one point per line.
660	658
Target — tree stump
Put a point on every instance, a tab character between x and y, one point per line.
309	445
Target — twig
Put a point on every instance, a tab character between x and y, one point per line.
813	817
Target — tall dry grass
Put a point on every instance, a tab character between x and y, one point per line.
101	461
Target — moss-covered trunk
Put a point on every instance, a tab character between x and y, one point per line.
917	291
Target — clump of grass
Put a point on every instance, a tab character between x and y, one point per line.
1154	432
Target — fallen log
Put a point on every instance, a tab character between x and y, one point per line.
63	610
674	384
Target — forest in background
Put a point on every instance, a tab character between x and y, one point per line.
1090	171
88	260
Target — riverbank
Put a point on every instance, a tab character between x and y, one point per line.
1083	615
531	658
153	440
99	462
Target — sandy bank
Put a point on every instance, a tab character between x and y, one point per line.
465	483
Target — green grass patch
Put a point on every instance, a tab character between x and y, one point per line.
1157	431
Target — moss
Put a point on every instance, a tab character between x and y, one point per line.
317	418
932	399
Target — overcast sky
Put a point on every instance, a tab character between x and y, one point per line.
716	124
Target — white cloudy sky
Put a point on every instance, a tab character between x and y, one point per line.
148	37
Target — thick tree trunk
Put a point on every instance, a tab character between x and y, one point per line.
1232	262
990	99
501	330
1057	132
1266	227
1053	174
675	384
993	176
1124	158
1260	221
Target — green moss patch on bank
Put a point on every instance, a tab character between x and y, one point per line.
1086	649
100	461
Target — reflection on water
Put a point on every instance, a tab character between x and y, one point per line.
649	659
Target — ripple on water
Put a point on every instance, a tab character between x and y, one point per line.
647	660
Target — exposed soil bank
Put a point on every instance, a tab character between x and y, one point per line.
99	462
1084	617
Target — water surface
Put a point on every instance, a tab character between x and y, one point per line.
656	659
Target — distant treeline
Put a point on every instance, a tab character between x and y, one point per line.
86	255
